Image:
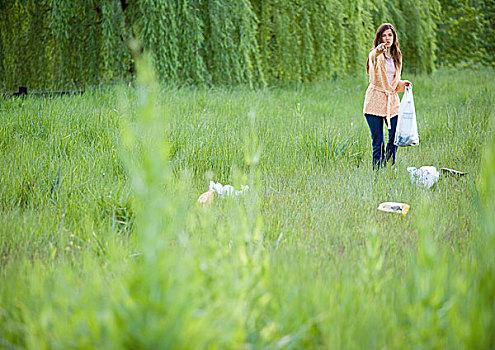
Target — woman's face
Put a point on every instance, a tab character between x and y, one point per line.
388	37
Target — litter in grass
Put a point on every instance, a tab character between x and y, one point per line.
206	198
393	207
227	190
222	191
426	175
452	172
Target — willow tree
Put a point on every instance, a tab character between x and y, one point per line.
53	44
466	35
231	49
68	44
419	34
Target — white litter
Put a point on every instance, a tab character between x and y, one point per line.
426	175
227	190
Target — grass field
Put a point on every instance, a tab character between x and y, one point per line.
102	244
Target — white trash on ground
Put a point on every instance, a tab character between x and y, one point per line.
426	175
227	190
222	191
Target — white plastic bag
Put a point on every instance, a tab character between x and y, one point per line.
227	190
407	129
426	175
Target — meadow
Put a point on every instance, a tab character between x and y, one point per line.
102	243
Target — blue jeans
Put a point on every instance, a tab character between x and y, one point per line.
382	155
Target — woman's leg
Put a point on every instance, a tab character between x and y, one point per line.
391	148
376	128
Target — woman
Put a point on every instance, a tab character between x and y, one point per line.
382	102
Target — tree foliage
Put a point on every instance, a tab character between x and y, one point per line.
467	32
68	44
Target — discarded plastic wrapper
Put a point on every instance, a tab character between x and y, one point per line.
393	207
223	191
426	175
452	172
206	198
227	190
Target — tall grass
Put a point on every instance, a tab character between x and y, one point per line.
102	244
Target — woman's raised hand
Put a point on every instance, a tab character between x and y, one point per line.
381	47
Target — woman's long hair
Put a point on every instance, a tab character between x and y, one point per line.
394	48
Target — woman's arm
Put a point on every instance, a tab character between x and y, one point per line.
401	86
377	51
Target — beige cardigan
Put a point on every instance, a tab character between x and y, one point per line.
381	96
